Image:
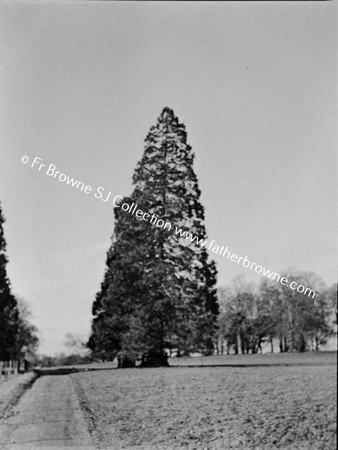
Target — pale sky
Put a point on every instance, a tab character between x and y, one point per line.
81	84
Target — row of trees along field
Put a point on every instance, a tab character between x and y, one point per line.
159	289
251	316
18	336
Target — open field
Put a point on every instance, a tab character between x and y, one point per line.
274	359
268	359
234	402
212	407
11	389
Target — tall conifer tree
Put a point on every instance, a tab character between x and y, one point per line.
159	288
9	314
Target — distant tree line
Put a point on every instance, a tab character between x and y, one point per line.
252	316
18	336
62	359
78	354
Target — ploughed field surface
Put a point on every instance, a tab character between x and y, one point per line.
272	406
233	402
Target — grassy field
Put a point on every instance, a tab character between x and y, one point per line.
11	389
289	407
274	359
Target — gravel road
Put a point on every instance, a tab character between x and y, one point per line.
47	416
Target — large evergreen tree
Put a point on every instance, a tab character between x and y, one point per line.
9	314
159	288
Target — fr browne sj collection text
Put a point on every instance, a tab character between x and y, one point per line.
52	172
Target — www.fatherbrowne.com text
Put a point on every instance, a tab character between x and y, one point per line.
211	245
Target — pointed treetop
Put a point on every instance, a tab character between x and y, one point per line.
167	114
168	111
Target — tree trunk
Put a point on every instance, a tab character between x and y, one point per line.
241	344
317	344
259	346
271	344
124	362
155	359
236	345
293	340
302	344
286	348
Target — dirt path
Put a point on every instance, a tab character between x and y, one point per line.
48	415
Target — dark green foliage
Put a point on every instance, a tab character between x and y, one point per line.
298	321
159	290
9	314
27	340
